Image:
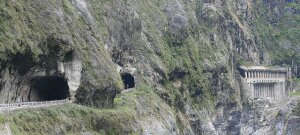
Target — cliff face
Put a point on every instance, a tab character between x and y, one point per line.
187	52
54	39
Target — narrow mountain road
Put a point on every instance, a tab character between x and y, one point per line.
128	90
23	105
4	127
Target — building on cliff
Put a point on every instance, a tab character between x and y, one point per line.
266	82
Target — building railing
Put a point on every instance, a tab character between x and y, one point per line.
32	104
265	80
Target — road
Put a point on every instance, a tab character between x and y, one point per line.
21	105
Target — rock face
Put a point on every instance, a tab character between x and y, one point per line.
188	51
58	39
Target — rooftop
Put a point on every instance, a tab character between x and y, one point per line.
263	68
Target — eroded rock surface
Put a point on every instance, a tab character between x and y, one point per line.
186	51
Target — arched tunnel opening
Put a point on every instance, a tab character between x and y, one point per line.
50	88
128	81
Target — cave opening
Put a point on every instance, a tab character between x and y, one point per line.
242	72
128	81
50	88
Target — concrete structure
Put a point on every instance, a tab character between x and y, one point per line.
266	82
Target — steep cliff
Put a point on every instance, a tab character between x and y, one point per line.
54	39
183	56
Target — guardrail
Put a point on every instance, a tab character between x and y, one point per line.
32	104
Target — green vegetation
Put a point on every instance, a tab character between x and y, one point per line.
41	32
71	119
296	110
185	58
75	119
2	118
286	57
194	65
280	35
296	93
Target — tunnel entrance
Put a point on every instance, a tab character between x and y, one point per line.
50	88
128	81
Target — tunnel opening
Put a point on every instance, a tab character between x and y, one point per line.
242	72
128	81
50	88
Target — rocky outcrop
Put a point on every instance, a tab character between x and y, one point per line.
68	47
187	51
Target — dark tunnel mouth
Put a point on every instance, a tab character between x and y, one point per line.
51	88
242	72
128	80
